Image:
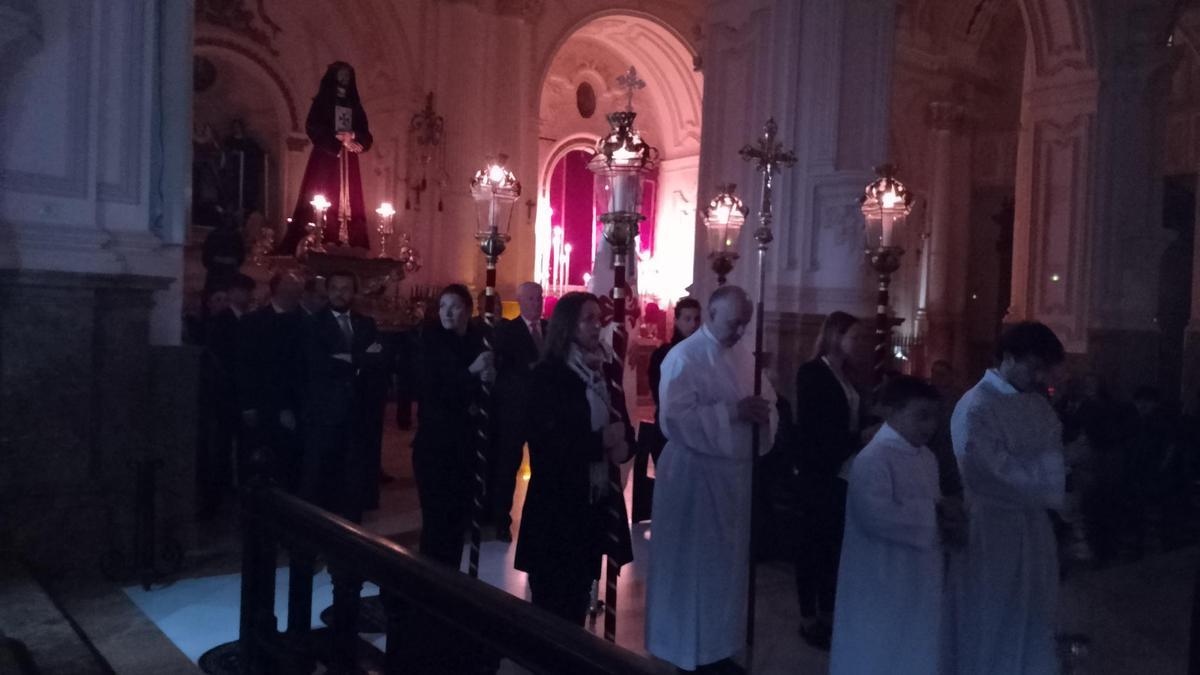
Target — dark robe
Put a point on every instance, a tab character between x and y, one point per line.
323	173
335	468
270	382
444	447
826	442
564	535
516	353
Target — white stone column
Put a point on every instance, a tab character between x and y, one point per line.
823	71
949	201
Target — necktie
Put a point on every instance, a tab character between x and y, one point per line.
535	330
347	331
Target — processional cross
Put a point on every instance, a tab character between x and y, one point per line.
631	83
769	156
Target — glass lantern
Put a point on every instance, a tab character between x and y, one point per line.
723	218
886	203
495	190
622	159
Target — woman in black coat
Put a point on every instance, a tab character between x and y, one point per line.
829	414
578	433
451	366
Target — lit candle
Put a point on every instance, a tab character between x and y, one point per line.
386	212
567	266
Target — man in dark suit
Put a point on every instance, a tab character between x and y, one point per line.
518	344
215	472
340	351
270	378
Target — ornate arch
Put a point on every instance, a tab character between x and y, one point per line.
1062	34
560	150
249	55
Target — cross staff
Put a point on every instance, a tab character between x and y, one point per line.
631	83
769	156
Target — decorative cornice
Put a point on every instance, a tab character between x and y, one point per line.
527	10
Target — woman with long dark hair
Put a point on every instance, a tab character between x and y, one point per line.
337	126
577	431
829	412
451	365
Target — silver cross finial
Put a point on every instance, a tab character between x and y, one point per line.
769	155
631	83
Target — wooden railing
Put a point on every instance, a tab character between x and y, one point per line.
433	613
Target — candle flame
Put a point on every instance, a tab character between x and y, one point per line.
320	203
385	209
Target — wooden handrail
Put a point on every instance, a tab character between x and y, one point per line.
508	626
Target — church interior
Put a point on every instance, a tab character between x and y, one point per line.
939	169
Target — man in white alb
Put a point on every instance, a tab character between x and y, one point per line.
1008	442
700	549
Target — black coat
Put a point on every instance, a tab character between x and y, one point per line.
823	420
446	394
559	527
335	388
270	361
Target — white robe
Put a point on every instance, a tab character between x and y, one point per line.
889	591
1005	585
696	587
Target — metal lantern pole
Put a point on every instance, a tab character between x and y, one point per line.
884	260
491	186
769	156
621	160
885	202
620	230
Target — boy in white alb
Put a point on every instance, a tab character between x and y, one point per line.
889	591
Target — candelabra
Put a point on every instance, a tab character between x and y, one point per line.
386	213
769	156
320	207
495	190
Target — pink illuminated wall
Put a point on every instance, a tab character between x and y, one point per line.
571	185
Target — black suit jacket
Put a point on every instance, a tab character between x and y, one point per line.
560	529
446	393
335	387
270	368
516	352
823	420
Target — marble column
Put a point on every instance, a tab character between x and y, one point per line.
823	71
949	200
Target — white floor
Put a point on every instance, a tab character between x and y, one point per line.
199	614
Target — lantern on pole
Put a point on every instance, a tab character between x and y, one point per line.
886	202
723	219
495	190
621	163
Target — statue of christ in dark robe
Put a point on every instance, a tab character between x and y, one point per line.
337	126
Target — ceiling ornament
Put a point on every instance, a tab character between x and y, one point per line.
235	15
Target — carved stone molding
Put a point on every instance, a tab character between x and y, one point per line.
235	15
1063	34
1058	271
527	10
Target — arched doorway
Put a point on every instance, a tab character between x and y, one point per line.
578	89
